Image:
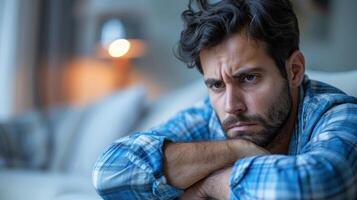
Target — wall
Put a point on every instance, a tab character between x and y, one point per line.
8	28
162	24
338	52
18	39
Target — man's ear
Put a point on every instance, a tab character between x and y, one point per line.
295	68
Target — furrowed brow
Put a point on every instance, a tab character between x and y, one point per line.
244	72
211	81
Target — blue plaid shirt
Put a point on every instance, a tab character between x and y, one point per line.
321	162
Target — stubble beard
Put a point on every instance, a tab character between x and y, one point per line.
277	115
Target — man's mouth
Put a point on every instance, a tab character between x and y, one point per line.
242	126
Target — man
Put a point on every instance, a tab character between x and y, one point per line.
265	132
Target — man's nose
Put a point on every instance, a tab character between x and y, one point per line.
234	103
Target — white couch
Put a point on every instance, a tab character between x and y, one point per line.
82	135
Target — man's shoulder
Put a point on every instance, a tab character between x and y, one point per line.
323	107
201	107
319	97
320	100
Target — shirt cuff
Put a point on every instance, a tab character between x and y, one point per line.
239	172
162	189
160	186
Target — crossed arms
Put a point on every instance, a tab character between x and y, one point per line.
203	168
161	163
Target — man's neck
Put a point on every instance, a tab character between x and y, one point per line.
280	144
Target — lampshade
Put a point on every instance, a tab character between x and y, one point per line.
120	37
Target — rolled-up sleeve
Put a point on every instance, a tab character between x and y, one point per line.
325	169
132	168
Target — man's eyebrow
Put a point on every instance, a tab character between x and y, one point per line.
238	74
242	72
211	81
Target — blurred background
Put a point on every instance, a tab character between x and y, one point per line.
50	48
72	56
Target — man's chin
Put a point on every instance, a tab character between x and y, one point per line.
249	133
239	134
259	139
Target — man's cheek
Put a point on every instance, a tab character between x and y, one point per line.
219	109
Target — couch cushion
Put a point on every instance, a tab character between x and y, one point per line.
27	184
84	134
166	106
23	141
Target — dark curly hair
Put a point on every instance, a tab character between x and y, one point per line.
208	24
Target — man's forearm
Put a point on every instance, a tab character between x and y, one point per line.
215	186
187	163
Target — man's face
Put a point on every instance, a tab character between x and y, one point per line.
247	91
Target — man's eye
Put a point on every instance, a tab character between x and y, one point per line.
249	78
217	85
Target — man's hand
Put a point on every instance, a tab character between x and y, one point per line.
215	186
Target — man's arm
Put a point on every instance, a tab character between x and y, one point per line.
156	163
133	166
326	167
187	163
215	186
146	165
317	174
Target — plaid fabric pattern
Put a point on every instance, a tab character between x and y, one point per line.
321	163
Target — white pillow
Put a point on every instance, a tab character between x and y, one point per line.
100	125
65	121
168	105
345	81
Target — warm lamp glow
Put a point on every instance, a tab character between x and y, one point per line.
119	48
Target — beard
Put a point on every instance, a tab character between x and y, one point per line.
276	116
